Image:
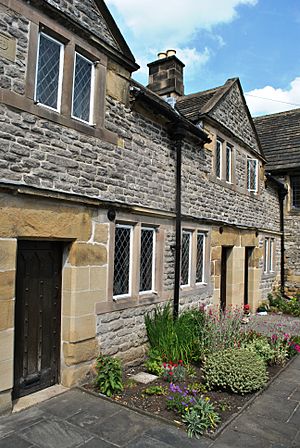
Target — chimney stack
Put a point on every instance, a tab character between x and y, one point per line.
166	75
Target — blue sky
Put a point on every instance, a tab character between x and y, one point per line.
256	40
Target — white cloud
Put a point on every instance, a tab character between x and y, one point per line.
272	100
173	22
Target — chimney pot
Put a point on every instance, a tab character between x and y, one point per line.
162	55
171	53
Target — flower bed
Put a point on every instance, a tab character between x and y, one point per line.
207	367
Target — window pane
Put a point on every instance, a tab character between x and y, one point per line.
218	158
48	72
266	251
228	163
122	260
252	174
200	258
82	89
185	258
295	182
271	254
146	268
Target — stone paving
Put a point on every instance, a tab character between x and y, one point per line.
77	419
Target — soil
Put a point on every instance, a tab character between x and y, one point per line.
134	396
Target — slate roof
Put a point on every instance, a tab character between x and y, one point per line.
197	104
279	135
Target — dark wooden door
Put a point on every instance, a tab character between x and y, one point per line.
37	316
223	292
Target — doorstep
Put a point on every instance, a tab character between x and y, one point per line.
38	397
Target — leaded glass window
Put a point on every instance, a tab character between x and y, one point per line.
122	263
228	163
252	175
49	72
200	258
186	257
266	251
82	107
271	255
295	184
147	260
218	161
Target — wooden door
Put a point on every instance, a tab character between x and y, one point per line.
37	316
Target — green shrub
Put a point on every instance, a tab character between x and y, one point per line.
238	370
261	346
286	306
154	363
109	375
200	418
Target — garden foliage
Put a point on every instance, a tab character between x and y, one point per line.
238	370
109	375
287	306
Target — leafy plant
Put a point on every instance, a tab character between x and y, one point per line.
154	363
238	370
286	306
294	345
174	372
190	371
200	418
221	330
261	346
155	390
174	340
223	405
197	388
109	375
180	399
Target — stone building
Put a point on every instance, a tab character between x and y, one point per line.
280	138
115	197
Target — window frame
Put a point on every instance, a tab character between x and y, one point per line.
219	148
153	290
204	235
269	255
129	293
295	203
60	75
190	233
249	189
92	93
228	162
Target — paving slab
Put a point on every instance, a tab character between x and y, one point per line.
144	378
54	434
77	419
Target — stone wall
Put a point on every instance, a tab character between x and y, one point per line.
86	14
232	114
12	74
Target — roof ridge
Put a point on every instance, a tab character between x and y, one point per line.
285	112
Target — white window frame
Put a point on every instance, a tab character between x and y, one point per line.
153	230
123	296
269	245
249	161
92	95
228	159
199	232
220	143
190	233
60	75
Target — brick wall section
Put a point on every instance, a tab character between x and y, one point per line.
270	282
292	252
230	112
86	13
12	74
